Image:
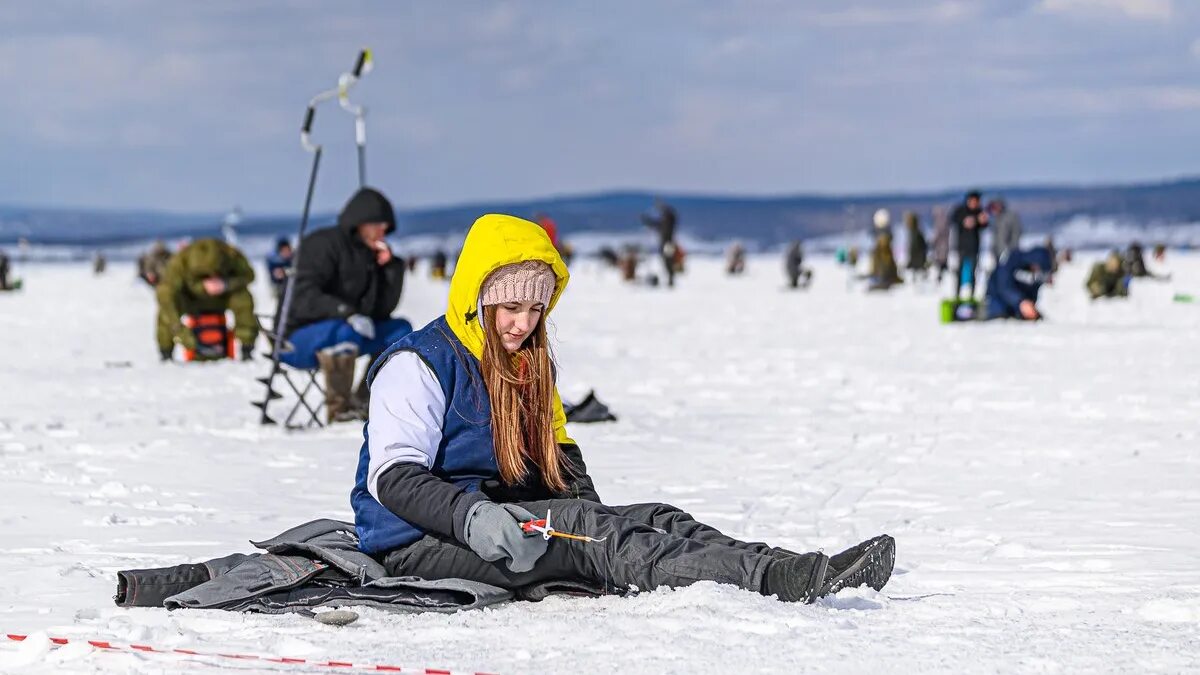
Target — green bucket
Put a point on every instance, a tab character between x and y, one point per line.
947	313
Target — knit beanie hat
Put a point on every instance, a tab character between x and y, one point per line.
528	281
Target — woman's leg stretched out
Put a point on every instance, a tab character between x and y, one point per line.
680	523
633	553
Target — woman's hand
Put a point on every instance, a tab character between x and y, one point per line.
493	531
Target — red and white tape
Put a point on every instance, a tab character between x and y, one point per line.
105	645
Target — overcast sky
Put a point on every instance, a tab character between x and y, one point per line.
195	106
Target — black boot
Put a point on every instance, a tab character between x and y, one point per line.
868	564
797	578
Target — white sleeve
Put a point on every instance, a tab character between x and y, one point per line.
405	423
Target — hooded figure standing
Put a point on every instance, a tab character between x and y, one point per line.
793	265
206	276
941	241
1006	229
918	249
467	444
668	248
347	285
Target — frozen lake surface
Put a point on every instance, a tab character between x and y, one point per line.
1042	481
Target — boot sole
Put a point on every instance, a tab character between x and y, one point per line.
872	568
817	580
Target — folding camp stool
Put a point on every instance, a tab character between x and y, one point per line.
302	382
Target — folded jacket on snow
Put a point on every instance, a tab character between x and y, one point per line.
312	565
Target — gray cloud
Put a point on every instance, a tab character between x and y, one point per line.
197	105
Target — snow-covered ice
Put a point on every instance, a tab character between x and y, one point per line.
1042	481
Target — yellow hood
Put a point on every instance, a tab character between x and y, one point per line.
495	240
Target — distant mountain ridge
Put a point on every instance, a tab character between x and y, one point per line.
764	221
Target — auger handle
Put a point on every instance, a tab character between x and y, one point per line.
363	63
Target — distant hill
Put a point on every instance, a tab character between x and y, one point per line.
761	221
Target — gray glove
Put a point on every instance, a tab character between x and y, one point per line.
363	325
493	531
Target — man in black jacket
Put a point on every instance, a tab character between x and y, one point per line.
347	284
969	220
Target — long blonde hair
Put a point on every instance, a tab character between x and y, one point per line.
520	389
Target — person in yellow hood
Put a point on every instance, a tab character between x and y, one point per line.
466	446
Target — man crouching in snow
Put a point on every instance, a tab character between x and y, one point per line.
206	276
1012	290
466	444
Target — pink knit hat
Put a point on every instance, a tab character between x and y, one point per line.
528	281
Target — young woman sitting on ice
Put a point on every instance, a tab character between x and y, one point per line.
467	440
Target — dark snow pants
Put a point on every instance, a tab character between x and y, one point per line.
647	546
312	338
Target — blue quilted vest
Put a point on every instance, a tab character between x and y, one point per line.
465	456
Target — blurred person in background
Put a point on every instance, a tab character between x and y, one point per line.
1006	229
437	265
881	222
793	265
969	221
918	249
736	259
279	264
206	277
549	226
941	241
567	251
884	272
608	255
1108	278
1012	289
1049	246
5	269
628	263
664	225
153	263
1135	264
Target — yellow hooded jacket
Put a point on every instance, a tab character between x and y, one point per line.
496	240
464	457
